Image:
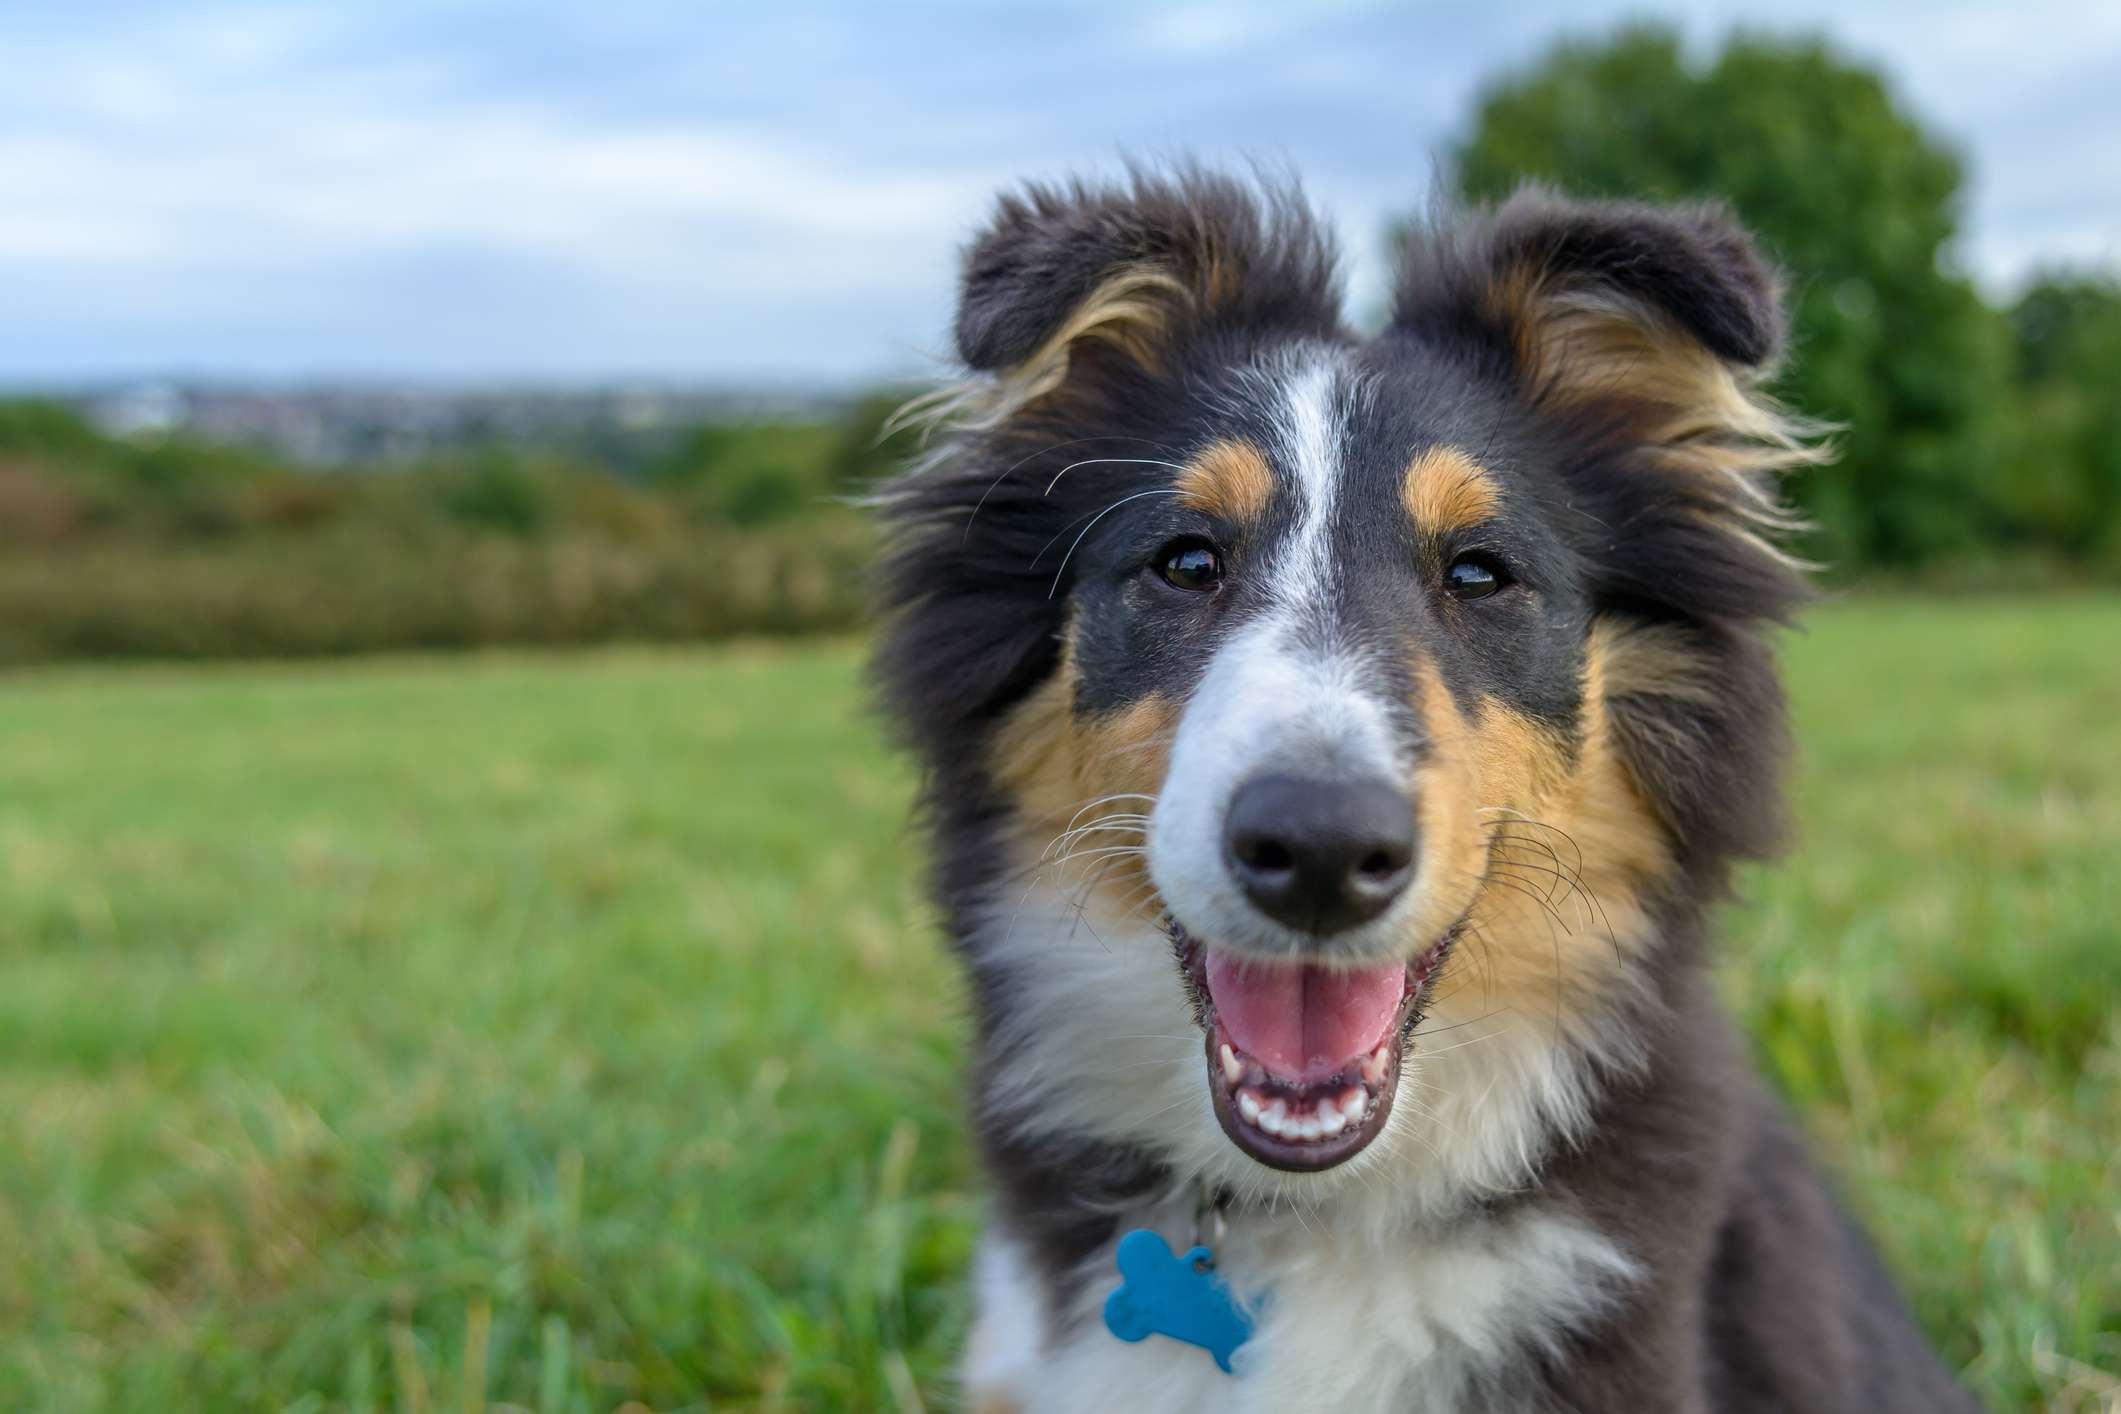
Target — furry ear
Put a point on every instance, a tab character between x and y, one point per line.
1082	309
1638	336
1130	271
1693	268
1595	298
1644	332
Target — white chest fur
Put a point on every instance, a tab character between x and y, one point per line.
1346	1324
1378	1285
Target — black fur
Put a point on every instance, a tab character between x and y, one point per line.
967	579
1046	249
1654	543
1761	1296
1694	264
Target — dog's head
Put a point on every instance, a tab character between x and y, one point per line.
1348	682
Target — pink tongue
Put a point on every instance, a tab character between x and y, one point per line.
1304	1023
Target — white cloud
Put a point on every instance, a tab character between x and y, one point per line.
255	189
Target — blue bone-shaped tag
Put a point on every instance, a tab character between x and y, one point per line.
1181	1297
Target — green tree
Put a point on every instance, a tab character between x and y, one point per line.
2064	486
1852	197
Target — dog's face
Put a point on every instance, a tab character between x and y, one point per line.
1388	680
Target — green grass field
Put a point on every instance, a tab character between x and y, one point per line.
566	1032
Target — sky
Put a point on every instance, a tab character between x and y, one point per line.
774	194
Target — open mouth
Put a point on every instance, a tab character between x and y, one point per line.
1303	1061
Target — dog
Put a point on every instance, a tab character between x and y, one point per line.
1334	748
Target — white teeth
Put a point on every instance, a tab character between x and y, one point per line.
1328	1118
1373	1064
1233	1068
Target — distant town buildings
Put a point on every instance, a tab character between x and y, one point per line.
354	427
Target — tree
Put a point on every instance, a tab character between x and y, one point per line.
2064	485
1852	197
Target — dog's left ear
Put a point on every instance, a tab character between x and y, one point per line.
1603	301
1642	333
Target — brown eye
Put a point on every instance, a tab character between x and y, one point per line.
1473	577
1191	564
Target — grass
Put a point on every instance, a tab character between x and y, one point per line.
568	1031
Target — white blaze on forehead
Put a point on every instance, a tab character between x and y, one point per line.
1281	695
1308	424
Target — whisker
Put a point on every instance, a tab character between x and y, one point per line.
980	504
1108	799
1055	589
1504	879
1093	850
1108	856
1520	818
1081	904
1553	871
1121	821
1469	1041
1590	904
1062	840
1103	461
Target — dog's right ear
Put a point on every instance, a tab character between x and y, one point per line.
1126	274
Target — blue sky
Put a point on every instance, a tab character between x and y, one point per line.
584	192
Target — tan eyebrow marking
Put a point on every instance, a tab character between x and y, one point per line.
1447	490
1228	479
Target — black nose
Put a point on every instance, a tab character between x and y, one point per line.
1320	856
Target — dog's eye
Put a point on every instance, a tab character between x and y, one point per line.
1190	563
1474	577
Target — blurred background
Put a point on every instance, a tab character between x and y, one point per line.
387	1024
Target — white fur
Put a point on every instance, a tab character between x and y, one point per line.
1342	1323
1311	427
1266	704
1009	1336
1379	1282
1100	1043
1283	695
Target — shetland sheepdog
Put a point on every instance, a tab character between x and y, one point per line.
1334	749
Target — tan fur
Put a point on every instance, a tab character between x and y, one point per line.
1694	411
1569	844
1447	807
1130	310
1229	479
1061	770
1650	660
1219	276
1445	490
1518	757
